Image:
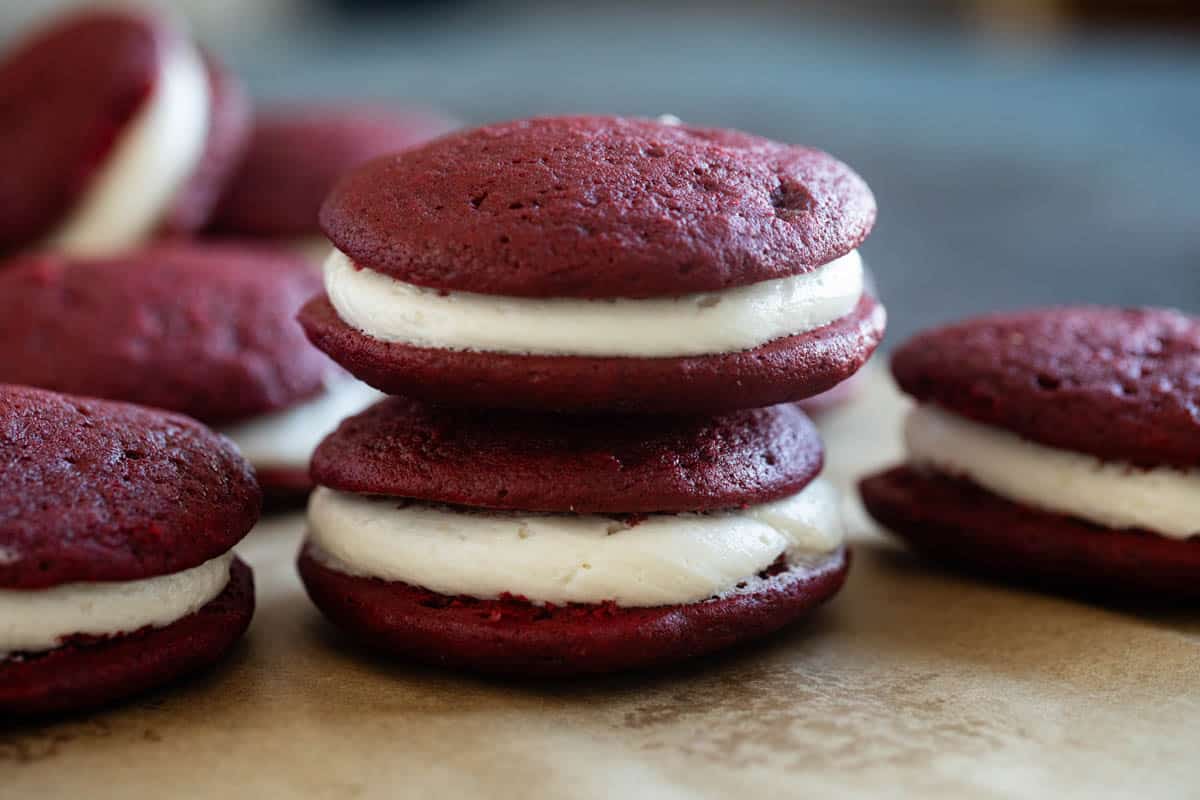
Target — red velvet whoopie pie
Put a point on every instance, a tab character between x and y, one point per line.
524	543
1056	447
116	128
204	329
599	264
117	573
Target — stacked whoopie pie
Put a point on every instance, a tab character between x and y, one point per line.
117	529
596	328
1058	447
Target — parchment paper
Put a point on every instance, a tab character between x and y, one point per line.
913	682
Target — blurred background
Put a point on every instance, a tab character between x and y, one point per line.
1022	152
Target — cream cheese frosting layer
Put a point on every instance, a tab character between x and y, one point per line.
697	324
156	153
1165	501
666	559
39	620
287	438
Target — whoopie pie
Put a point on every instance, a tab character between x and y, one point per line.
1059	447
599	264
116	128
203	329
117	572
533	544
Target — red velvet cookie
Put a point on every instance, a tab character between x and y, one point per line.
511	636
590	207
628	220
1058	447
70	92
501	460
99	497
203	329
1120	384
297	154
955	522
101	491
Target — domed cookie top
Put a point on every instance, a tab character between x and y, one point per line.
591	207
207	330
1119	384
101	491
297	154
545	462
112	126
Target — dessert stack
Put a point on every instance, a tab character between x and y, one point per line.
596	330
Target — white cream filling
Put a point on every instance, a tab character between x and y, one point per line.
33	621
561	558
696	324
287	438
1162	500
159	150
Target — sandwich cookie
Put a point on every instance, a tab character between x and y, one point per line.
295	157
1058	447
533	544
599	264
207	330
117	528
116	129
